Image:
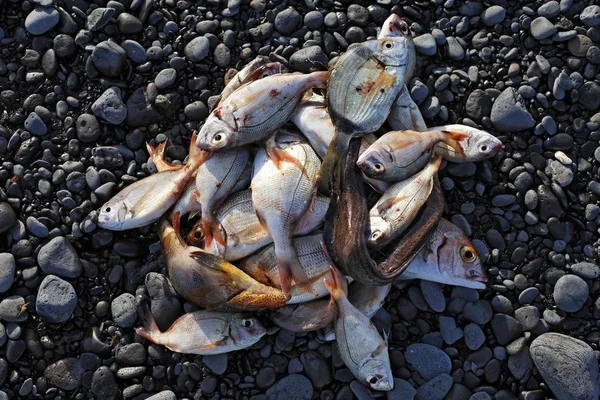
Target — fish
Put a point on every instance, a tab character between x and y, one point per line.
188	202
282	193
146	200
313	258
215	180
450	258
398	155
202	332
208	281
313	120
399	206
405	114
244	234
310	316
394	26
362	87
157	154
256	69
256	110
359	344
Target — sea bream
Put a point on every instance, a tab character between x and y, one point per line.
256	69
282	192
313	258
256	110
363	84
449	258
244	234
359	344
202	332
208	281
398	155
399	205
146	200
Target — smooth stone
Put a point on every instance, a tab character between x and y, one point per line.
7	216
505	328
570	293
583	269
98	18
35	125
449	331
60	258
474	336
197	49
402	390
41	19
436	388
509	113
88	128
427	360
542	28
568	366
425	44
7	271
216	363
306	58
109	58
493	15
165	305
56	300
110	107
291	387
165	78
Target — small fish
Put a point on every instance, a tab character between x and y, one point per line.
146	200
256	110
450	258
215	180
360	346
202	332
398	155
363	84
208	281
399	205
243	231
256	69
313	258
313	120
282	193
188	202
405	114
394	26
310	316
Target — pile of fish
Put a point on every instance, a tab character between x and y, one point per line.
311	194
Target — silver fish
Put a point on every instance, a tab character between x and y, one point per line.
262	266
256	110
282	192
203	332
244	233
215	180
188	202
405	114
475	144
362	349
146	200
450	258
399	205
256	69
394	26
313	120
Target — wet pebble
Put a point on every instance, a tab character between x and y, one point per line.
7	271
60	258
427	360
56	300
570	293
123	309
291	387
109	106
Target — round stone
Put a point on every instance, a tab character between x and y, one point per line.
165	78
197	49
41	19
570	293
56	300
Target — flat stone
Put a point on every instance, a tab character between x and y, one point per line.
509	113
41	19
436	388
402	390
197	49
449	331
583	269
542	28
570	293
7	216
307	58
568	366
493	15
425	44
291	387
123	309
216	363
165	78
427	360
98	18
35	125
165	305
110	107
65	374
316	368
474	336
505	328
60	258
7	271
109	59
56	300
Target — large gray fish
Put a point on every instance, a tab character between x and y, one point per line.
256	110
202	332
282	192
362	349
399	206
215	180
244	234
313	120
262	266
256	69
398	155
449	257
361	89
146	200
208	281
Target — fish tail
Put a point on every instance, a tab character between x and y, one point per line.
278	156
151	149
335	286
149	330
290	269
212	231
335	152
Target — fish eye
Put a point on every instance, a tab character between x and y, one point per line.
197	234
107	209
247	323
378	167
468	254
218	137
403	27
375	235
373	380
388	45
484	148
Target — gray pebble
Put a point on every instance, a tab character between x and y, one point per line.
455	50
590	15
123	309
65	374
528	316
109	58
165	304
197	49
559	173
41	19
479	312
436	388
520	364
570	293
98	18
287	20
7	271
196	111
542	28
568	366
165	78
104	385
13	309
425	44
493	15
56	300
216	363
132	354
313	20
135	52
434	295
549	10
509	113
583	269
427	360
449	331
164	395
305	59
474	336
7	216
528	295
109	106
129	24
222	55
402	390
505	328
35	125
59	257
316	368
291	387
36	228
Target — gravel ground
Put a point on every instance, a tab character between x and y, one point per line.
84	84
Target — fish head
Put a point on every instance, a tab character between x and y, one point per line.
215	134
246	330
113	214
394	26
459	262
377	231
482	146
393	52
372	161
376	374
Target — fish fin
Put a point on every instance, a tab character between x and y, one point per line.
259	298
151	149
335	153
290	269
319	79
278	155
209	260
214	345
176	223
211	230
381	347
296	290
335	286
149	330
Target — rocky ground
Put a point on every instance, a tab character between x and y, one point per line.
84	84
